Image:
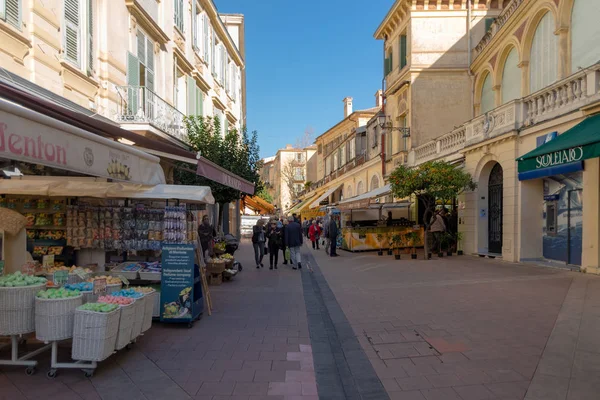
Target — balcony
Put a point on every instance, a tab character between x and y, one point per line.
140	105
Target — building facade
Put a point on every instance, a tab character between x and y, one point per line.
535	76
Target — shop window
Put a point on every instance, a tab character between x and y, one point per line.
551	217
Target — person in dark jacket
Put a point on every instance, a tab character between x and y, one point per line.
206	233
333	234
293	241
275	236
284	223
258	242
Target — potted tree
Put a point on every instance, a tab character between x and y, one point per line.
414	240
396	242
459	238
380	242
389	237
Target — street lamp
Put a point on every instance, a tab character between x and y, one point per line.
386	125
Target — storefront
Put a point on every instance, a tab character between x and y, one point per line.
555	173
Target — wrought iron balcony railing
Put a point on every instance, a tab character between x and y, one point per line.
140	105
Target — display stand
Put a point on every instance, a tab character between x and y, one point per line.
202	264
87	368
23	361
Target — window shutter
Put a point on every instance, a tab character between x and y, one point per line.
488	23
90	35
225	125
141	47
225	71
149	55
71	38
133	81
179	14
223	65
10	10
199	101
205	26
212	52
194	27
402	51
191	96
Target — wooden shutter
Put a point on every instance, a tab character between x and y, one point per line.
205	26
199	101
71	35
212	52
10	10
194	27
149	64
223	65
179	14
191	96
90	35
403	54
225	125
488	23
141	47
133	82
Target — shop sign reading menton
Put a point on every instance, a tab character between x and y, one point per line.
559	157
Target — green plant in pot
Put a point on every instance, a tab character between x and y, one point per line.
448	242
459	236
396	243
380	237
414	239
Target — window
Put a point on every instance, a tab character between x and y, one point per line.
487	95
585	31
343	155
360	188
145	57
327	166
374	182
197	31
299	157
222	121
374	138
335	161
206	35
179	13
180	91
403	54
389	141
511	77
10	12
140	74
320	149
222	64
388	62
78	31
404	139
488	23
348	191
352	149
543	66
213	44
299	173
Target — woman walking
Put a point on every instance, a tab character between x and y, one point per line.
314	233
258	242
275	236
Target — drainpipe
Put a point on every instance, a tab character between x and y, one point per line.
383	111
469	56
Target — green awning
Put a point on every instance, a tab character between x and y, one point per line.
567	151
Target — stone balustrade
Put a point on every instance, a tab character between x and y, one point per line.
444	145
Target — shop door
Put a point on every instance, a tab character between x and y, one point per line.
495	210
575	226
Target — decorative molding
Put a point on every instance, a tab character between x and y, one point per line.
46	13
76	80
14	43
146	20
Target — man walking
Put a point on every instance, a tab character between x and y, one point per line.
293	240
333	234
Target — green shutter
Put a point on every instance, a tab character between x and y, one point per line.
141	47
205	26
212	52
488	23
90	35
199	101
10	10
403	54
133	82
178	14
194	27
226	125
2	9
191	96
71	35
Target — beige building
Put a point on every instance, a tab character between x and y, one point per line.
144	64
528	141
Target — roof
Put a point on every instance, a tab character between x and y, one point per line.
373	110
268	159
387	18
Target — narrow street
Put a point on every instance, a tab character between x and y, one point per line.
361	327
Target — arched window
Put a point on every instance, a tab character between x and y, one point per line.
487	95
543	66
360	188
374	182
348	191
511	77
585	31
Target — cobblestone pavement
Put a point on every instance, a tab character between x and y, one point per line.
360	327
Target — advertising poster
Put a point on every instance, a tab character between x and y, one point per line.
177	283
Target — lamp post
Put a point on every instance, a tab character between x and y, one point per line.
385	123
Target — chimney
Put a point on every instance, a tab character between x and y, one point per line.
347	106
289	147
379	98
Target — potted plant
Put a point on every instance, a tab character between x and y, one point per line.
459	238
396	242
448	242
380	241
389	237
414	239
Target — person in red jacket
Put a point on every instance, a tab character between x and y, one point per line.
314	232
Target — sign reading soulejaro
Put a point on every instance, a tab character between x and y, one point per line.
559	157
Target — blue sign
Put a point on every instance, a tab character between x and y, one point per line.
177	284
551	197
540	140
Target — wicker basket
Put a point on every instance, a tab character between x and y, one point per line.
215	268
17	309
54	318
138	320
72	278
229	264
148	310
125	325
94	335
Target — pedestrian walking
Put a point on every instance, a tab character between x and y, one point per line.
275	236
206	233
284	223
314	233
293	241
333	233
258	242
437	229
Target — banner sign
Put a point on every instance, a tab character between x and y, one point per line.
177	284
99	286
218	174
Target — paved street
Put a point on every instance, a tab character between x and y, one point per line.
361	327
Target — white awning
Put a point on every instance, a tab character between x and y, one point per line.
31	137
86	187
325	195
382	191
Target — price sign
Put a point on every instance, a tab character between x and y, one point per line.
60	278
48	261
80	272
124	280
99	286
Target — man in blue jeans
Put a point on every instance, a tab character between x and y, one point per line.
293	241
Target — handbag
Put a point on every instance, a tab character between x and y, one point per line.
287	254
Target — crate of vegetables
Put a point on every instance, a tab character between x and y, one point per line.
126	319
139	306
55	313
150	295
17	302
95	331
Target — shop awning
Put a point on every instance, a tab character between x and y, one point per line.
32	137
563	154
325	195
363	200
258	204
86	187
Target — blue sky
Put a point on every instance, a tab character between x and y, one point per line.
303	58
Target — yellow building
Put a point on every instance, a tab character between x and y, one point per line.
529	140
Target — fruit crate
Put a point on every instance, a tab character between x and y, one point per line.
54	318
17	309
125	325
215	268
95	334
148	310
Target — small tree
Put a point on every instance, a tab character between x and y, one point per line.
265	195
429	182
